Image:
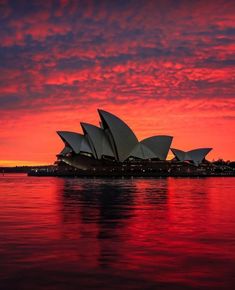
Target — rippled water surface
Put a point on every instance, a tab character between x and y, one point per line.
170	233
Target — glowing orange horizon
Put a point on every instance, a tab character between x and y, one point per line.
189	131
15	163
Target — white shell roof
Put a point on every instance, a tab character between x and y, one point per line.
75	141
179	154
85	146
143	152
116	139
65	151
124	138
159	145
196	155
98	139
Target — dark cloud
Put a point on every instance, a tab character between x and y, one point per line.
220	63
9	101
59	52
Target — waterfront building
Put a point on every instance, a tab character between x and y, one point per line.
114	145
196	156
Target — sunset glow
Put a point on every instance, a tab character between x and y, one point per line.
164	67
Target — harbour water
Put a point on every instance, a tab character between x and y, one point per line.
173	233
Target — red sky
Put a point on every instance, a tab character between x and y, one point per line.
164	67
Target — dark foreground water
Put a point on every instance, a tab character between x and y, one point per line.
116	234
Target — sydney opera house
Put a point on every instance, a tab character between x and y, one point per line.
114	145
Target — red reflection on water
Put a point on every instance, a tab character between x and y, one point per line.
146	231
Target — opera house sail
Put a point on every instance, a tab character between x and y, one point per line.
196	156
115	145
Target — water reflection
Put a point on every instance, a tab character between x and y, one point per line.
109	199
95	233
103	209
123	221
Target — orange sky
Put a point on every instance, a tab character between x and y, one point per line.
164	67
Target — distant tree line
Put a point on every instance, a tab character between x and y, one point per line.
221	162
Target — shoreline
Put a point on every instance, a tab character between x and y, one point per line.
126	175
